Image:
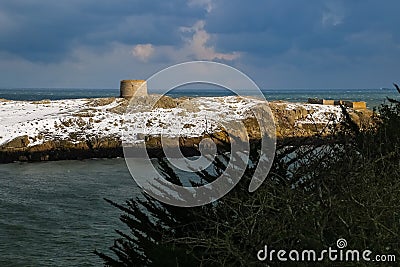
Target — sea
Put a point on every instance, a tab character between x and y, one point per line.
373	97
54	213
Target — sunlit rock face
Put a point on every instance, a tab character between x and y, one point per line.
45	130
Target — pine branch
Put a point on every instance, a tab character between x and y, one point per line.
397	87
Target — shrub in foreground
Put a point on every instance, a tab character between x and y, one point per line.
313	196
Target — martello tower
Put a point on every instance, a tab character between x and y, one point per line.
130	88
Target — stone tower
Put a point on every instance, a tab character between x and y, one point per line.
129	88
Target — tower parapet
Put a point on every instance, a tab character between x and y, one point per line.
130	88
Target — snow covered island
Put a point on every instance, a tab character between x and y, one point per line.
89	128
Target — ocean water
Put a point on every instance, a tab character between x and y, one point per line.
53	213
373	97
34	94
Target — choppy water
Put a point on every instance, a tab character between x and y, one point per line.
373	97
53	213
34	94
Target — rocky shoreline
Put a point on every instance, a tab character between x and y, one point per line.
93	128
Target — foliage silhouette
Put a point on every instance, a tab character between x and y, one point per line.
315	193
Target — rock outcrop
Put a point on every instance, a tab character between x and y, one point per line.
96	128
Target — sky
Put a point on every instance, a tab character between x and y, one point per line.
278	43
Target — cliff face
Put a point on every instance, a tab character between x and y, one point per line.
304	120
87	128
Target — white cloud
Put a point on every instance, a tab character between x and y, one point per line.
195	47
331	19
198	47
143	51
333	15
206	4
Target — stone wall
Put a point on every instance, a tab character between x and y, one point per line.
349	104
130	88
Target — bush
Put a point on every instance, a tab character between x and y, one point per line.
314	195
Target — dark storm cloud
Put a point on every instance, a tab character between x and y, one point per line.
269	28
337	41
47	30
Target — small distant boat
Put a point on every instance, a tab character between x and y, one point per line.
386	89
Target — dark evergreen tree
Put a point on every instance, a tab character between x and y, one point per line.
316	192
